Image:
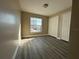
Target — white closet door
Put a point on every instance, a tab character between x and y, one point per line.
53	26
66	19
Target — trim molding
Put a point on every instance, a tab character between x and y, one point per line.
15	53
31	36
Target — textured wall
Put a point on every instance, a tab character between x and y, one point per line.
25	24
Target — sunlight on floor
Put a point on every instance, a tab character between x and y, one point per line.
21	42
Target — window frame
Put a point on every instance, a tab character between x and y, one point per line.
30	25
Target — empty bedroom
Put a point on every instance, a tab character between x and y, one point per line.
38	29
45	29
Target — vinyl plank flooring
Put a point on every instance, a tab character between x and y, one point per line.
45	47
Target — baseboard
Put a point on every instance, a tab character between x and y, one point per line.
15	53
64	41
31	36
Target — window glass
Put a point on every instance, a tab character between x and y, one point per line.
35	24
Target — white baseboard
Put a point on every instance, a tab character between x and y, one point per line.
15	53
35	35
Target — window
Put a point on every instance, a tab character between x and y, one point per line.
35	24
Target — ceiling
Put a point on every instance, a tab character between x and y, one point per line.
36	6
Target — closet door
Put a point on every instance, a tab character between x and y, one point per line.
66	19
53	26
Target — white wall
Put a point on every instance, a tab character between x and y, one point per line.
66	19
59	25
53	26
9	28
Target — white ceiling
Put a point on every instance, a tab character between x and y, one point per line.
36	6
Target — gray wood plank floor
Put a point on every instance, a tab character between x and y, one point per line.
45	47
